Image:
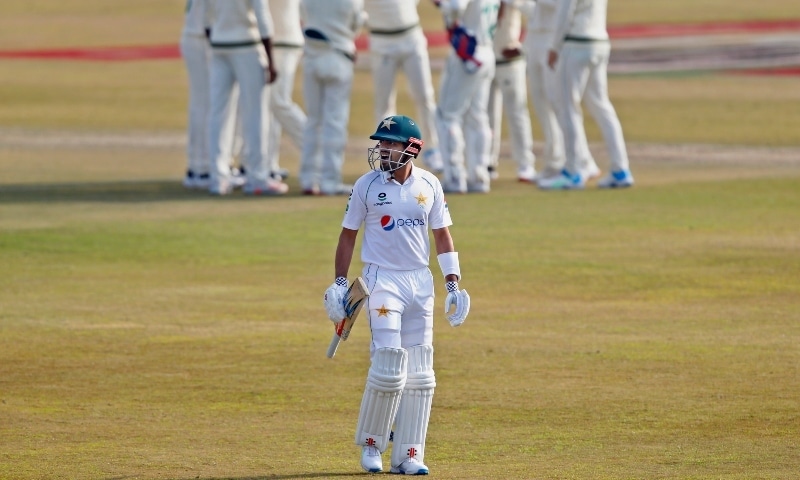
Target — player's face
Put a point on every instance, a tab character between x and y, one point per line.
391	154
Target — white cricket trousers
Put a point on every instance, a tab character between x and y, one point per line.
327	83
399	307
196	55
508	94
245	67
542	88
462	112
582	72
285	113
407	52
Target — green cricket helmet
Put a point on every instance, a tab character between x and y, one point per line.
396	128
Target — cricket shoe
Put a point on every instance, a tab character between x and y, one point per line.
618	179
238	177
590	172
493	173
199	181
279	174
371	459
265	187
410	466
526	175
220	188
433	160
565	181
341	189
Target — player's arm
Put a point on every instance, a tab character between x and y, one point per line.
335	294
449	263
344	252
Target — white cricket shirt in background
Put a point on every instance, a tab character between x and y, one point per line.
389	15
194	19
286	23
580	19
238	21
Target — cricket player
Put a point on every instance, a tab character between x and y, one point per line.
397	203
508	94
462	111
241	44
397	43
544	90
286	115
330	29
579	52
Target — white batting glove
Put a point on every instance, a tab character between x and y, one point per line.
334	300
458	299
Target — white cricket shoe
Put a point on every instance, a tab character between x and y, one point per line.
410	466
618	179
591	171
220	188
265	187
238	176
340	189
371	459
526	175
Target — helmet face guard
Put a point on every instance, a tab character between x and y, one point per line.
396	128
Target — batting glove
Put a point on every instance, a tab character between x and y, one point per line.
334	300
458	299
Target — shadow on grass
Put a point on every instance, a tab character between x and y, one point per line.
144	191
287	477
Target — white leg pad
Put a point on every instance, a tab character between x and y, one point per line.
411	423
385	382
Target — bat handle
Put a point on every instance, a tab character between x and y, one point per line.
334	344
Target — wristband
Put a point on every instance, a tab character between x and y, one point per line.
451	286
341	281
448	262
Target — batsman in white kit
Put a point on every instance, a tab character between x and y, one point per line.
397	202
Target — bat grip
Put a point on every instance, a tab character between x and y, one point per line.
334	345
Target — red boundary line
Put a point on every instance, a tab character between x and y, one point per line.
435	39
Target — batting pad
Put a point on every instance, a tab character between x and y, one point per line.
385	382
411	423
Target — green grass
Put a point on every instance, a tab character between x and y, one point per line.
148	332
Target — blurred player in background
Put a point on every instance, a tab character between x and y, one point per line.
544	91
397	203
508	94
241	55
462	111
286	115
330	29
397	42
579	53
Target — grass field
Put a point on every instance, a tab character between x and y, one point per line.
147	332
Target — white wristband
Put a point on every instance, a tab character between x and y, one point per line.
448	262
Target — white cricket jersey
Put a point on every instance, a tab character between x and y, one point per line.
238	21
541	16
286	21
509	29
391	15
194	19
584	19
397	218
479	17
338	20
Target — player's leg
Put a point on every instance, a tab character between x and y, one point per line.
515	105
249	64
333	138
413	415
599	105
477	133
196	57
221	84
312	100
290	117
495	109
384	71
573	74
454	97
541	85
417	68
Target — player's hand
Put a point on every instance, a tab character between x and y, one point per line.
552	59
459	300
271	74
334	300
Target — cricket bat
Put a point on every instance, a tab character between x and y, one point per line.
356	297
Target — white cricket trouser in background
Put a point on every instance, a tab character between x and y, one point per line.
244	66
541	84
196	55
327	83
285	113
462	112
582	72
407	51
508	94
400	307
